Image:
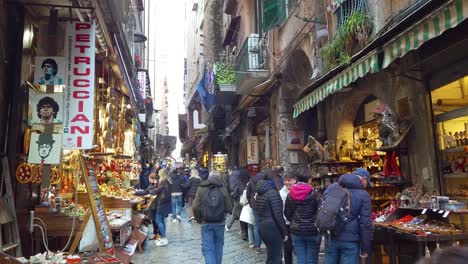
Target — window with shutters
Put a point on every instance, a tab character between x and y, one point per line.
347	7
274	13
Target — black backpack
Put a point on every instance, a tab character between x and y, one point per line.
333	211
213	205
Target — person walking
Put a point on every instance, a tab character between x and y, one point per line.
163	198
272	226
353	240
251	191
176	188
237	184
210	206
300	210
191	187
152	204
289	178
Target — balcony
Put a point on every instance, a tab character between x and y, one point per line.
251	67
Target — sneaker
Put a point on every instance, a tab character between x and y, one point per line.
175	220
251	245
191	219
179	218
227	228
258	250
162	242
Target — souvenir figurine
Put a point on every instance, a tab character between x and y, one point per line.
457	141
451	140
465	138
357	151
314	149
344	151
389	129
329	150
448	140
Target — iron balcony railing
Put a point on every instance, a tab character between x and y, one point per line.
252	57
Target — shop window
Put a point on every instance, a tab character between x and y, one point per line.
347	8
450	110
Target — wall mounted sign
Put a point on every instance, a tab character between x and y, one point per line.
252	150
49	70
45	108
295	139
45	149
79	91
142	83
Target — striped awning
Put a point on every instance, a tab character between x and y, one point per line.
367	64
448	16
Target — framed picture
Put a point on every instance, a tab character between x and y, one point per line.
295	139
293	157
45	108
45	148
49	71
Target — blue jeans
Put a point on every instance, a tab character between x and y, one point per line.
258	239
307	248
342	252
176	205
161	224
212	242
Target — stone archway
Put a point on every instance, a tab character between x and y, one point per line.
298	70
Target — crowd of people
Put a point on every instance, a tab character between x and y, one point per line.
278	208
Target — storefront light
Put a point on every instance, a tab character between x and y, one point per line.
129	106
28	36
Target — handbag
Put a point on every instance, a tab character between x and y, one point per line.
247	215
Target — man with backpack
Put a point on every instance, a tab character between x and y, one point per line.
210	206
344	217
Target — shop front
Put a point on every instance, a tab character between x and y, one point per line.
400	112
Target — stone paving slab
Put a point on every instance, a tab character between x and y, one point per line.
185	247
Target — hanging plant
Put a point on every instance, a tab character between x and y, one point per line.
356	29
225	74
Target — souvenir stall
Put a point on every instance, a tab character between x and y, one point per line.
79	157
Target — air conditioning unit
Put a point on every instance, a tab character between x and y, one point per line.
252	49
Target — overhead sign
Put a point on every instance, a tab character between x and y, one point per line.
79	89
252	150
142	82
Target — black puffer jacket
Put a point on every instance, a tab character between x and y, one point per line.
270	205
176	183
301	209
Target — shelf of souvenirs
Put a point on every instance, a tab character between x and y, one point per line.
456	175
455	149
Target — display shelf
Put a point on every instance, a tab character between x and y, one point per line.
452	150
456	175
337	162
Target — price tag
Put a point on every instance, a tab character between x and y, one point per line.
424	211
441	211
446	214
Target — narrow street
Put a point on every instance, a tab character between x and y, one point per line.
185	246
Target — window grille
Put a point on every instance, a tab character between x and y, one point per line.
347	8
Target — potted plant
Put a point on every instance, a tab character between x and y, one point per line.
225	77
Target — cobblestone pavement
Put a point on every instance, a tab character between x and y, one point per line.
185	247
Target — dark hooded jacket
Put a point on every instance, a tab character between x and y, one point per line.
359	226
192	184
270	205
203	191
252	189
176	183
301	209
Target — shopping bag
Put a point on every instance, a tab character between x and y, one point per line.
246	215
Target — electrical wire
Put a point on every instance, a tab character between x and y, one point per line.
74	216
45	228
43	238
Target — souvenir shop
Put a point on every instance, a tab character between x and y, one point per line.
402	114
80	148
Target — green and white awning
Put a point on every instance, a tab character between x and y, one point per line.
448	16
367	64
